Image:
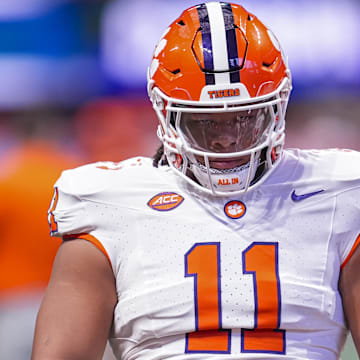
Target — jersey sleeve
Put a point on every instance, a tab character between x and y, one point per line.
92	202
67	214
75	209
345	166
347	223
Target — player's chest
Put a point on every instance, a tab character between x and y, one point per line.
171	225
239	266
236	242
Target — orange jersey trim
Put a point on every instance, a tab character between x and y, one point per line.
53	223
90	238
357	242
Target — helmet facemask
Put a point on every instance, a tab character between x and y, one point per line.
224	148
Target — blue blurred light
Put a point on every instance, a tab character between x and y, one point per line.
318	37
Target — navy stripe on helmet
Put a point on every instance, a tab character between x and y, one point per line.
207	45
231	42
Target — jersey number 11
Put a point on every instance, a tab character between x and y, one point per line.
260	260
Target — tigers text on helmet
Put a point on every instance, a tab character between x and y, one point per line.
220	85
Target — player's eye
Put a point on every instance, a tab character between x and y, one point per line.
210	124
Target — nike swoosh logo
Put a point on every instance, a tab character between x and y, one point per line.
295	197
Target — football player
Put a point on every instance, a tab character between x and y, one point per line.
230	247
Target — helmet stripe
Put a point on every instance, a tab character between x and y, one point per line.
232	48
219	43
220	49
207	44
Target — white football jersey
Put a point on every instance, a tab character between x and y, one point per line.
238	277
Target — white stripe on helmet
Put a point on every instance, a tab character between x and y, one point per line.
218	40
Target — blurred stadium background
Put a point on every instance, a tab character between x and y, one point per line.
73	90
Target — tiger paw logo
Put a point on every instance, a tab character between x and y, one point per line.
235	209
165	201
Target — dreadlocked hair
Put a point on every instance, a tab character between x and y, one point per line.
159	158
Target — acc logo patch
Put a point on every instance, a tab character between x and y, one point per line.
235	209
165	201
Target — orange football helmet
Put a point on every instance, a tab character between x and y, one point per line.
220	85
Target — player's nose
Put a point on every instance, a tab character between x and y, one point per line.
223	143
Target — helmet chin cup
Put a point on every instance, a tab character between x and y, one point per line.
225	180
182	157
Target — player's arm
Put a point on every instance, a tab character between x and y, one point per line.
77	310
349	286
